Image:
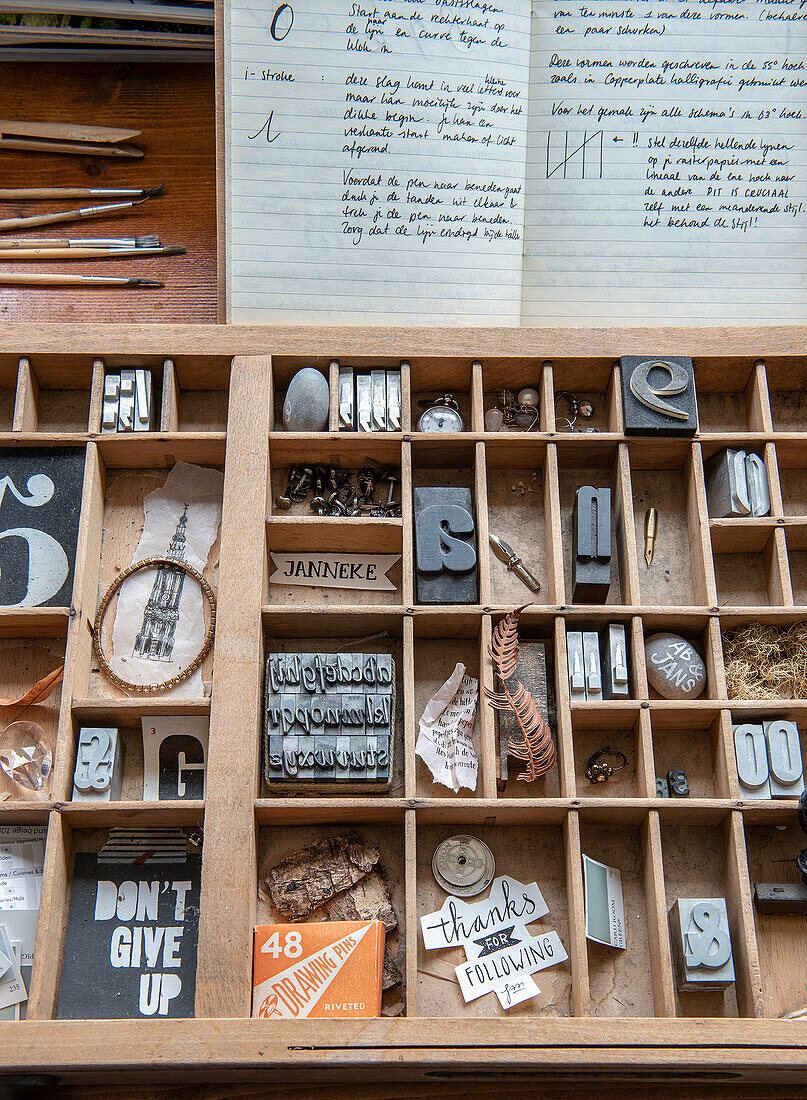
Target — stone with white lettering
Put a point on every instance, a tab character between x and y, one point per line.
674	667
329	721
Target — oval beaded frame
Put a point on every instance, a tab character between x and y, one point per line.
137	567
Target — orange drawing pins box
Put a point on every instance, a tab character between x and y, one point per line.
318	971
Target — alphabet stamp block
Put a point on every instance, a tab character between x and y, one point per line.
40	504
329	721
591	545
701	944
445	546
658	395
99	766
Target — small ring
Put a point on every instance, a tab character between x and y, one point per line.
137	567
608	751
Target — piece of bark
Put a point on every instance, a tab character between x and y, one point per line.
368	899
309	877
393	975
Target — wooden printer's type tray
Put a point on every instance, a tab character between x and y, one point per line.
603	1012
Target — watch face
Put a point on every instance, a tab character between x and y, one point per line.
440	419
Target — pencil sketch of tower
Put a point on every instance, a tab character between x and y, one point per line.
155	639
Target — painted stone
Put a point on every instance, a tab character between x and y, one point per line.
307	402
40	504
674	668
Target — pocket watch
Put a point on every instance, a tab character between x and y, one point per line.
442	415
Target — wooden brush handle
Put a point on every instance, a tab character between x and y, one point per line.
40	219
29	279
60	253
13	193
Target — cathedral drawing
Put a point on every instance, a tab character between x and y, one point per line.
155	639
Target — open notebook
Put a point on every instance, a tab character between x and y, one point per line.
629	162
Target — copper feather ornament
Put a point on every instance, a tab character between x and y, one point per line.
535	750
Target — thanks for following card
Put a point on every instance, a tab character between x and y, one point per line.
318	971
605	914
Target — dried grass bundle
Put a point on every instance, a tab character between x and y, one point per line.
766	662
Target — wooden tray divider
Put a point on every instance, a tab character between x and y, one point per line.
333	395
757	400
547	391
626	532
740	908
486	782
554	525
577	946
616	421
700	544
480	501
640	689
406	395
410	918
229	873
726	781
96	397
408	536
26	401
777	569
55	901
645	764
78	649
169	412
658	938
563	721
411	718
713	655
477	398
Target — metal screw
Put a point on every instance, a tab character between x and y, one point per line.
283	501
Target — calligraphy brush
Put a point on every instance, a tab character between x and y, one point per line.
68	215
85	253
15	194
50	279
8	244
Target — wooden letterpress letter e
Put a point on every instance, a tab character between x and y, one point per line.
591	545
445	550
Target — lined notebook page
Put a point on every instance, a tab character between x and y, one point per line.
667	163
376	161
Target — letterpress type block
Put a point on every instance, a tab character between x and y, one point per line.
785	767
591	545
614	661
658	395
751	752
701	944
99	767
445	546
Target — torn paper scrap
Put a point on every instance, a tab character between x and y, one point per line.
159	622
445	738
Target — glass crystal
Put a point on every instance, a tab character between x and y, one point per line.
493	420
25	755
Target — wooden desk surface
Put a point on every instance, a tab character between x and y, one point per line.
173	105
